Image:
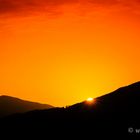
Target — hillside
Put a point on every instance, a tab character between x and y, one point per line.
111	114
10	105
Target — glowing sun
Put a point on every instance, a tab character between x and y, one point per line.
90	99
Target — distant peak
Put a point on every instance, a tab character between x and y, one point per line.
6	96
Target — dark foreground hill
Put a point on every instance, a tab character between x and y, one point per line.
114	114
10	105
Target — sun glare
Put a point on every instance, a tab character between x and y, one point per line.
90	99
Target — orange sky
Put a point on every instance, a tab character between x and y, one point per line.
62	52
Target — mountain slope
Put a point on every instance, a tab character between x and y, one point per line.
10	105
111	114
123	98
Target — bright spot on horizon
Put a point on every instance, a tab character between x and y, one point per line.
90	99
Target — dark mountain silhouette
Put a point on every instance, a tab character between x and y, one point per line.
112	114
10	105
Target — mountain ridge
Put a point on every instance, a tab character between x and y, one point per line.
110	114
11	105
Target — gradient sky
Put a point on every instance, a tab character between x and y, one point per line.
63	51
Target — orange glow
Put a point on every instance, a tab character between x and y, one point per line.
90	99
62	52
